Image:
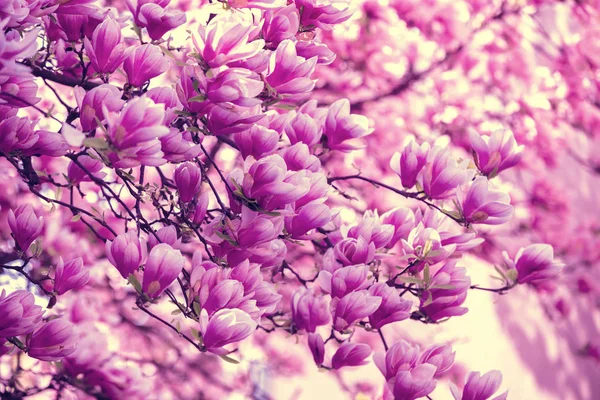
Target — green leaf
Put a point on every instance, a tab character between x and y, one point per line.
230	360
197	99
512	274
95	143
76	218
176	312
135	283
408	279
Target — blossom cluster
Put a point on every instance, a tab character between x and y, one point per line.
179	176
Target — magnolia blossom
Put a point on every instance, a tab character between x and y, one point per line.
493	154
25	225
480	387
534	264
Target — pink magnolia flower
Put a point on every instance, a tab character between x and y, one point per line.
351	251
258	141
351	355
345	280
25	225
271	185
228	37
415	383
224	327
496	153
410	162
393	308
234	85
446	292
188	179
126	252
480	387
162	268
303	128
403	221
16	134
156	18
535	264
228	293
48	144
144	63
324	14
401	356
93	103
309	310
314	48
18	91
441	357
53	340
20	315
309	217
70	275
135	132
178	146
442	174
288	74
344	131
280	24
372	230
354	307
106	50
297	158
480	205
424	245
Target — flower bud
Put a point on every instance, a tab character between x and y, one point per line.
92	166
126	252
25	225
144	63
48	144
351	355
167	234
409	163
201	208
162	268
188	179
317	348
105	49
70	275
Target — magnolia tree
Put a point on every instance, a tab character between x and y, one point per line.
183	183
